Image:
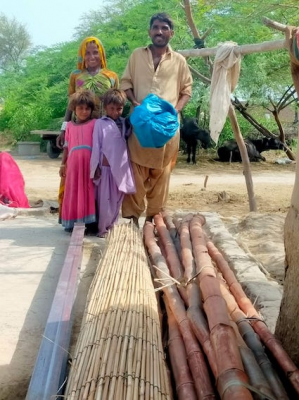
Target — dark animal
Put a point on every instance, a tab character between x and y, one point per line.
229	151
191	133
266	144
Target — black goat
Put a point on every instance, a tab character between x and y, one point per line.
229	151
191	133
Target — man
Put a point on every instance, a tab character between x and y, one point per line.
154	69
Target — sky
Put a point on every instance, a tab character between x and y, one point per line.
48	21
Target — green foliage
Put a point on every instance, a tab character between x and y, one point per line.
35	93
241	22
37	96
123	25
247	130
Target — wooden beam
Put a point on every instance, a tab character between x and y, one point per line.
244	156
190	20
275	25
44	132
50	367
242	49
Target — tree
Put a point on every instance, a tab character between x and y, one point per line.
261	73
122	25
36	96
14	43
287	328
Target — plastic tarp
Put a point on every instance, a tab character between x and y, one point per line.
155	121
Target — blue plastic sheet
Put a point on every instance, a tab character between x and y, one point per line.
155	121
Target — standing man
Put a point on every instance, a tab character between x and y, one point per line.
159	70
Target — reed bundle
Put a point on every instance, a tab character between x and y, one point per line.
119	352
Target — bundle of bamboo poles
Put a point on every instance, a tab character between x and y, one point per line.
209	313
119	353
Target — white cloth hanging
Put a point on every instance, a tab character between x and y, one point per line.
226	72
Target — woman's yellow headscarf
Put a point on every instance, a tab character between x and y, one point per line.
82	51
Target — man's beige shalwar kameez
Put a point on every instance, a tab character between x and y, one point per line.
152	167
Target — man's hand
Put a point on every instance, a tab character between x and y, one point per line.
131	97
60	140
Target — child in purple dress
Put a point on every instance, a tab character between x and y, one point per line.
110	166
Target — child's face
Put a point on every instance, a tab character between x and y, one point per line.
114	111
83	112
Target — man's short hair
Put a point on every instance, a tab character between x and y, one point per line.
162	17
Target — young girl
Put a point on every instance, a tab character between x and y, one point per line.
110	166
78	201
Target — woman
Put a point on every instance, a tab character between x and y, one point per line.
92	74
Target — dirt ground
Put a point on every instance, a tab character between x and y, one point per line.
207	186
273	184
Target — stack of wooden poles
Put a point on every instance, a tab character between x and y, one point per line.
217	340
119	353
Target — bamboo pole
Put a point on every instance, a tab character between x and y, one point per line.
261	372
178	359
229	365
194	312
173	231
196	360
269	340
172	258
171	255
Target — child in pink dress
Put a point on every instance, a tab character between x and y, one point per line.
78	201
110	166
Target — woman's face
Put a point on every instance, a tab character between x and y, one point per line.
92	57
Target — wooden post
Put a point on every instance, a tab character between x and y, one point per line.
244	156
243	49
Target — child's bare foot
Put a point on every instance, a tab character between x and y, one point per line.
102	235
134	220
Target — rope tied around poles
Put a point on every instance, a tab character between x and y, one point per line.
176	282
249	387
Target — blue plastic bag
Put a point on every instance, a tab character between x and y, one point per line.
155	121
